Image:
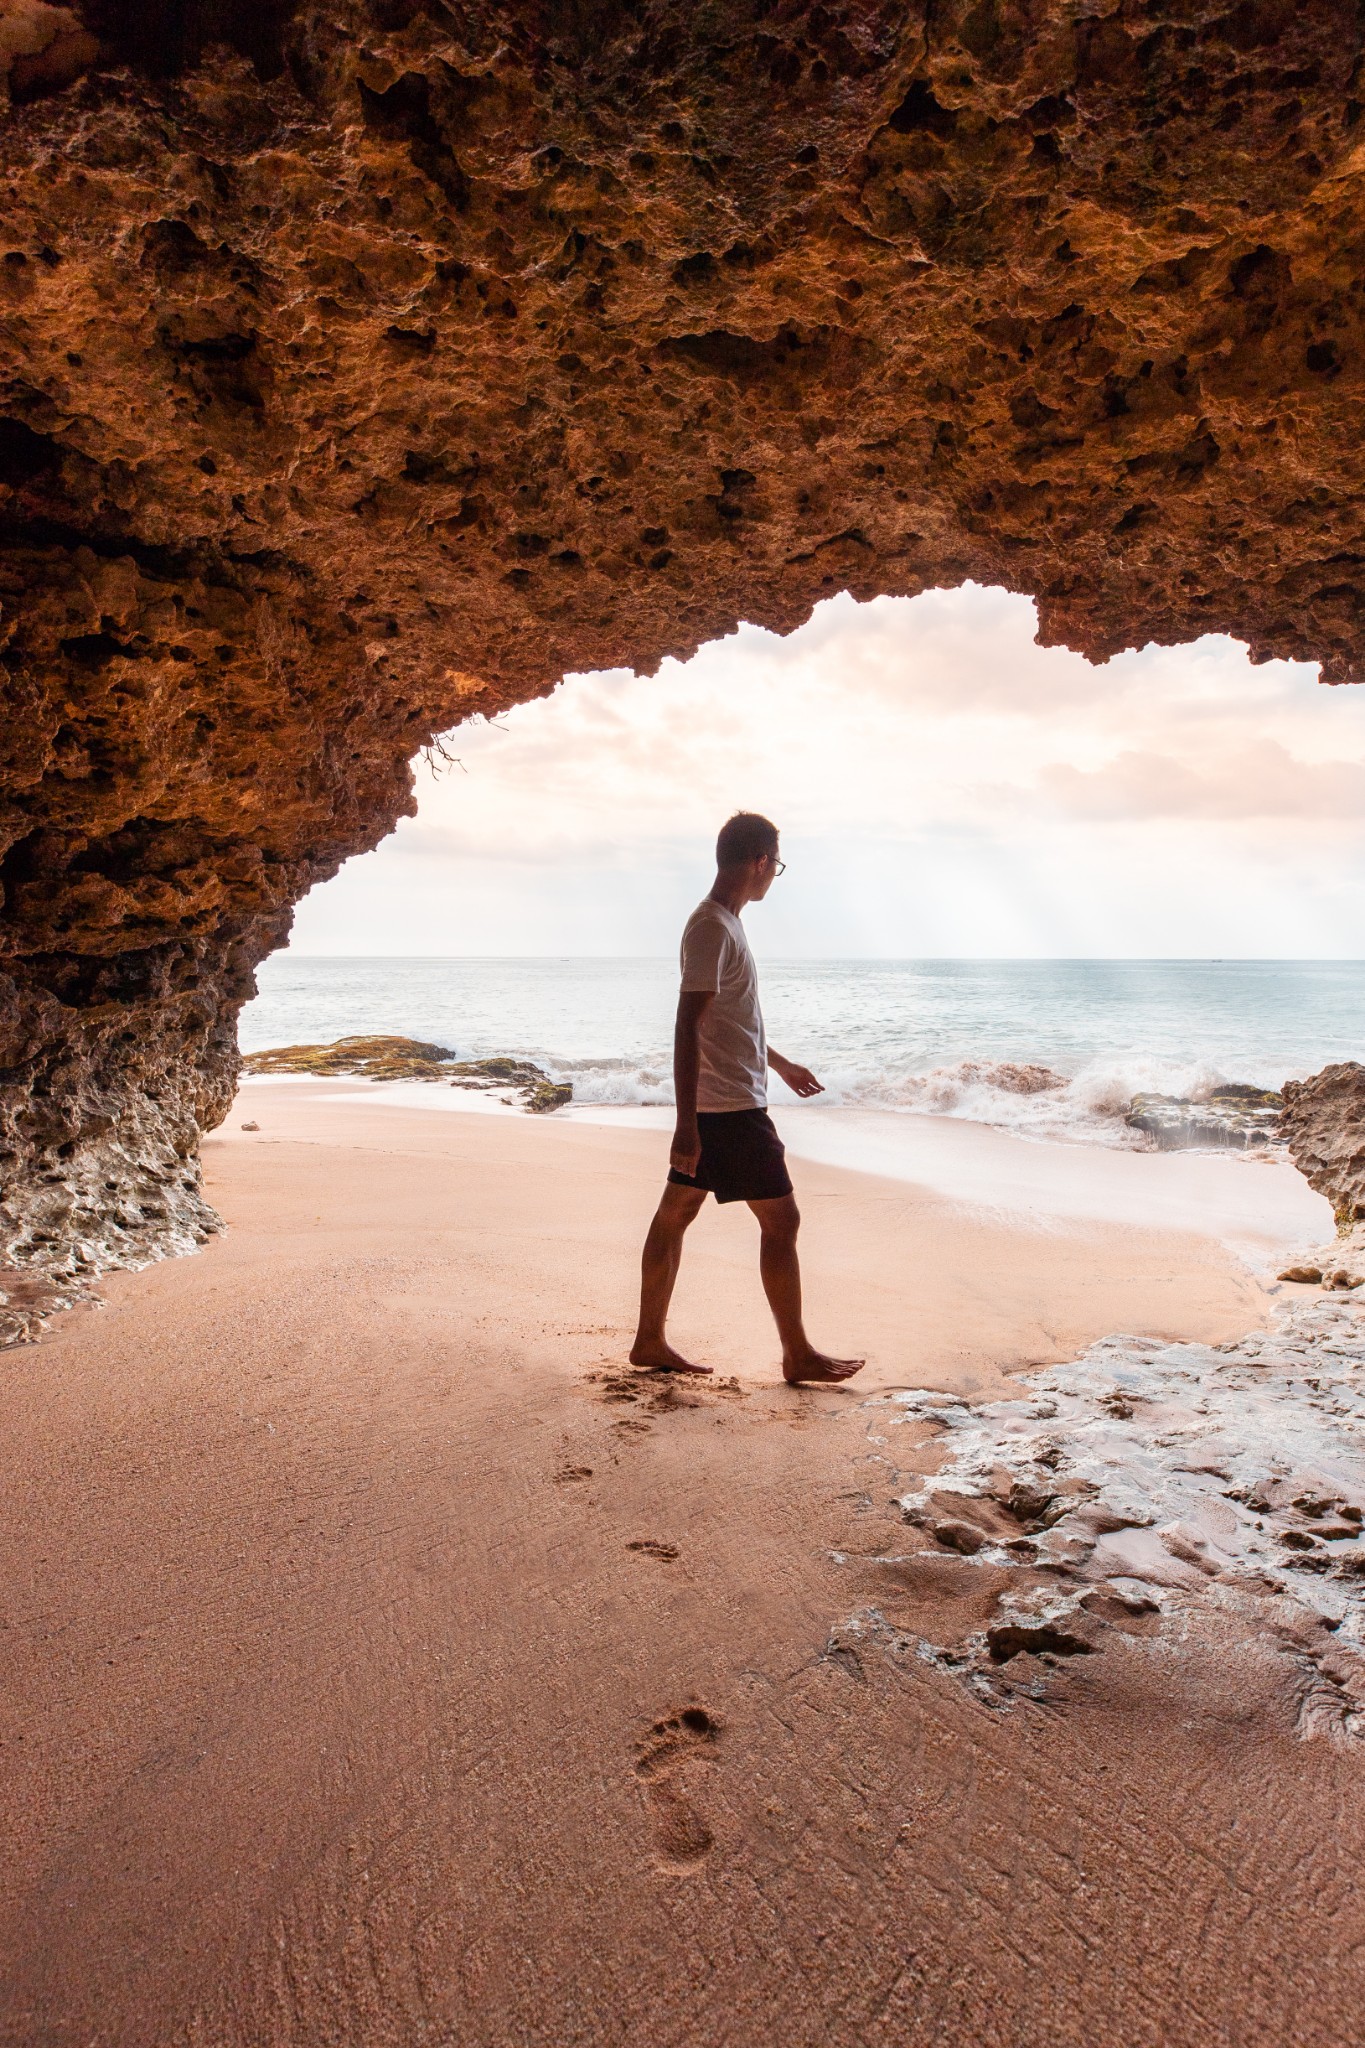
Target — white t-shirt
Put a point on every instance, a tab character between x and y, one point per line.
715	958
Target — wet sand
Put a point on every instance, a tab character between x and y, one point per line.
384	1665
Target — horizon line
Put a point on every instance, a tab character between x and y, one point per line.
884	959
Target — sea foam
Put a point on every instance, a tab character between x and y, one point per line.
940	1038
1147	1477
1024	1097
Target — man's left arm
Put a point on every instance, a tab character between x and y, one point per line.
799	1079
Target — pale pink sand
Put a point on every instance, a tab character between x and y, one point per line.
354	1694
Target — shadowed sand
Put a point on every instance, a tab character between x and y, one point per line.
385	1663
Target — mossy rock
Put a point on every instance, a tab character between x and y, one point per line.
538	1092
546	1096
1248	1097
376	1058
383	1058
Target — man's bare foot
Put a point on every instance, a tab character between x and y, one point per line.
663	1358
812	1367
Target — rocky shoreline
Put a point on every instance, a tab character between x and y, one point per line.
383	1058
1233	1118
1146	1480
1141	1482
1318	1123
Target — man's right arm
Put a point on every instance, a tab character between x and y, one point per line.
692	1004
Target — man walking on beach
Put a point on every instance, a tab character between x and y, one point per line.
725	1143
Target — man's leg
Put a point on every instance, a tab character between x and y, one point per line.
779	1220
658	1270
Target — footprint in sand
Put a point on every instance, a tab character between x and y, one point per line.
568	1475
648	1547
617	1386
670	1760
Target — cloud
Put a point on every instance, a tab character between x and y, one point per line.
1260	780
963	650
941	782
973	650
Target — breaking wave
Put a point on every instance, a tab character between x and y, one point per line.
1033	1101
1043	1049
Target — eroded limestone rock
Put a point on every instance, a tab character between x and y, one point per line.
1324	1126
371	363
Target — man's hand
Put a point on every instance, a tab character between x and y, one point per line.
685	1156
800	1080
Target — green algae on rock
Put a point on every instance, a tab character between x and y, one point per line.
376	1058
538	1092
385	1058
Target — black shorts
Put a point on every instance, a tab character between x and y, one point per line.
742	1157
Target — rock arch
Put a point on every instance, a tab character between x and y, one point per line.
368	363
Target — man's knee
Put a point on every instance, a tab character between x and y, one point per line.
678	1207
779	1220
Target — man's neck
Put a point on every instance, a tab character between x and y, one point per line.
731	891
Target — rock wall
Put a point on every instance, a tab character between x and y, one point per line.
1324	1124
370	363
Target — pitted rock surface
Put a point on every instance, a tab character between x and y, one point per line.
1324	1125
371	365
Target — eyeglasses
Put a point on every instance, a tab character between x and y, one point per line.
781	867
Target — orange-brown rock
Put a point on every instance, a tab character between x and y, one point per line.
1324	1125
369	363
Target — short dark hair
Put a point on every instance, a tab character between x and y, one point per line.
745	837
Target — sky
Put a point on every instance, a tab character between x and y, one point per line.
944	787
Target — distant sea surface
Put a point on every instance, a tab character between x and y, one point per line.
939	1037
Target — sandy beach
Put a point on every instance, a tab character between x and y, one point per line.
385	1664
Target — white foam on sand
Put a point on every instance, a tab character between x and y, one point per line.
1259	1207
435	1095
1251	1203
1187	1461
1152	1475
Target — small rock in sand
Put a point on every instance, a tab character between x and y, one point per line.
1302	1276
251	1127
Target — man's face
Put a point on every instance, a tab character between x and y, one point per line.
766	870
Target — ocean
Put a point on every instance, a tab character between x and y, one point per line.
1246	1429
957	1038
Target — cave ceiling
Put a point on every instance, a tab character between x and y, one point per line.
368	366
